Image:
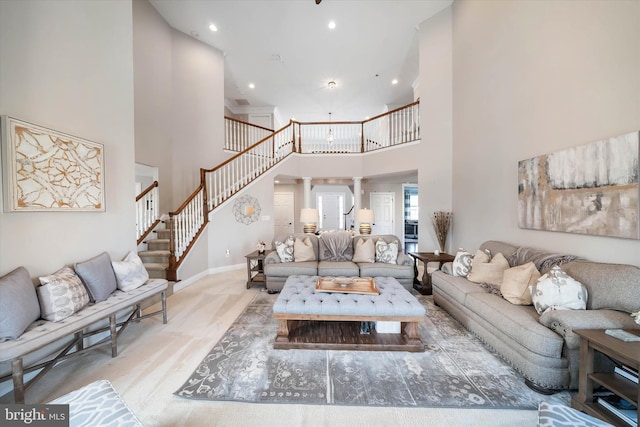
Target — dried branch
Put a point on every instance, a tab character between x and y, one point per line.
441	224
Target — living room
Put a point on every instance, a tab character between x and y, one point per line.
500	82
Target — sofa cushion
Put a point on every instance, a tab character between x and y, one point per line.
610	286
488	272
284	269
383	269
61	294
462	263
130	272
518	322
98	276
386	252
338	268
303	250
454	287
556	290
365	251
19	305
516	282
285	249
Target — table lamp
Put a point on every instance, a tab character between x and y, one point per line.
365	217
309	217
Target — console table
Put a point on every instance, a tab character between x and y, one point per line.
255	268
424	285
627	353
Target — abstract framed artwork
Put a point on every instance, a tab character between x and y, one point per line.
589	189
47	170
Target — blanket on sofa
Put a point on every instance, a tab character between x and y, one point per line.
542	260
336	246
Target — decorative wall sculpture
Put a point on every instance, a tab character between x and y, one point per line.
47	170
589	189
246	209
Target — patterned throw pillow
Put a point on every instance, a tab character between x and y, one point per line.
365	251
130	272
61	294
303	250
462	263
386	252
516	282
556	290
285	250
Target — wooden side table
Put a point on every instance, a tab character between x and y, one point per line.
255	268
424	285
626	353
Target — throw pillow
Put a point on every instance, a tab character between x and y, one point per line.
556	290
303	250
61	294
462	263
490	272
516	282
386	252
130	272
285	250
19	305
98	276
365	251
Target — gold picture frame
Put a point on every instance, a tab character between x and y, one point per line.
46	170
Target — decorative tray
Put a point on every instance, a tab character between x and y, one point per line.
347	285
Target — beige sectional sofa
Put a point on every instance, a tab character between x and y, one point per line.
336	260
543	347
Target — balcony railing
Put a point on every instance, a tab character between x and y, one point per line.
219	184
239	135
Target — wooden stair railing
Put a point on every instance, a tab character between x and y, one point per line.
147	215
239	135
219	184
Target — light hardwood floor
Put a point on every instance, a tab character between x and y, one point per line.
154	361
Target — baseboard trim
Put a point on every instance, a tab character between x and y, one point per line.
178	286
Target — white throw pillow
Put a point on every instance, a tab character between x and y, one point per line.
516	282
130	272
556	290
386	252
303	250
285	250
490	272
462	263
365	251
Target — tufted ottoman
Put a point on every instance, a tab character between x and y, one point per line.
331	320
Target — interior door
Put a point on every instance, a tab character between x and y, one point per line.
383	210
283	213
331	209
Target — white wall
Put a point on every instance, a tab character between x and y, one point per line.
68	66
152	57
530	78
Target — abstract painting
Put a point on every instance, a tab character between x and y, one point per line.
47	170
589	189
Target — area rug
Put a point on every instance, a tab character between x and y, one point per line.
455	370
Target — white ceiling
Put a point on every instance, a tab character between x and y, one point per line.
287	50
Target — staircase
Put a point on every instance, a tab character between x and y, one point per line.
156	257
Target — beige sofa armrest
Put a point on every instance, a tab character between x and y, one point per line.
563	322
272	258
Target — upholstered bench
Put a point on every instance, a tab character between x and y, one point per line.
310	319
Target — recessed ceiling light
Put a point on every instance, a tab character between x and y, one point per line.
394	81
252	86
331	84
332	25
213	27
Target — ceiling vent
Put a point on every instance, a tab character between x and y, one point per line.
242	102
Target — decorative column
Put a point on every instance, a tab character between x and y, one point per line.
357	191
307	191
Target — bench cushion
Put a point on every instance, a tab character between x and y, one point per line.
42	332
299	297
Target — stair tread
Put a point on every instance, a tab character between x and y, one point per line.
156	252
155	266
158	240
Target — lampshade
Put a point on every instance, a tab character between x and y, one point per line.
309	215
365	215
